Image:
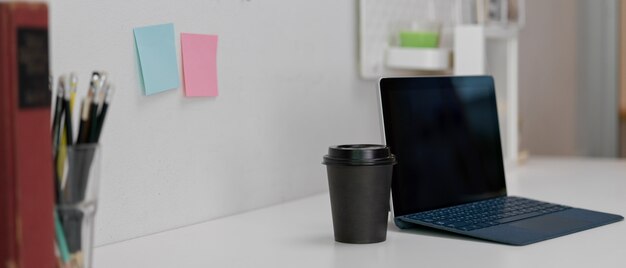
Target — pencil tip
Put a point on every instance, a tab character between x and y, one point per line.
73	81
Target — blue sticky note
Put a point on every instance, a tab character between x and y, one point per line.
157	57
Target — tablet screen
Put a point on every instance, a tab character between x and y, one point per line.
444	133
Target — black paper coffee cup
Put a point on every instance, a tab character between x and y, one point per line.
359	181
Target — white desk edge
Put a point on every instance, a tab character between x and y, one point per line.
299	233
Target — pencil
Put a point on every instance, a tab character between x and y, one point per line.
73	86
57	138
66	138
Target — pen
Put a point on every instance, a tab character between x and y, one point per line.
83	132
96	105
68	120
57	114
84	121
104	84
103	112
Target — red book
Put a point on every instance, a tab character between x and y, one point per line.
26	175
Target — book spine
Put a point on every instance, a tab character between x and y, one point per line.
8	246
25	145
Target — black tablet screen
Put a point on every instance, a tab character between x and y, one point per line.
444	133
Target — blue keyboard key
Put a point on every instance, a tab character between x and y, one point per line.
486	213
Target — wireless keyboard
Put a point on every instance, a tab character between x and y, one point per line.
486	213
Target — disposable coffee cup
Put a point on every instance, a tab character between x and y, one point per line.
359	181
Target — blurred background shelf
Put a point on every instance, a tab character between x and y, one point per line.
425	59
502	31
473	40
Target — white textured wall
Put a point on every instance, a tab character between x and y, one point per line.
288	86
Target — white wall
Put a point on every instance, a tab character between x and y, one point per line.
569	78
288	85
548	77
598	77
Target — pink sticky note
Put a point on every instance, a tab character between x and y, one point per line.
199	64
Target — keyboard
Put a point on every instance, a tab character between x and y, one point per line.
486	213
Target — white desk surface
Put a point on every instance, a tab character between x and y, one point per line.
299	233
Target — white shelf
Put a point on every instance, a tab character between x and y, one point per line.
424	59
502	31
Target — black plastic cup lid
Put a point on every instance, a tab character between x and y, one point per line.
359	155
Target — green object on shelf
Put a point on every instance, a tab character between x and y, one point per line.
419	39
